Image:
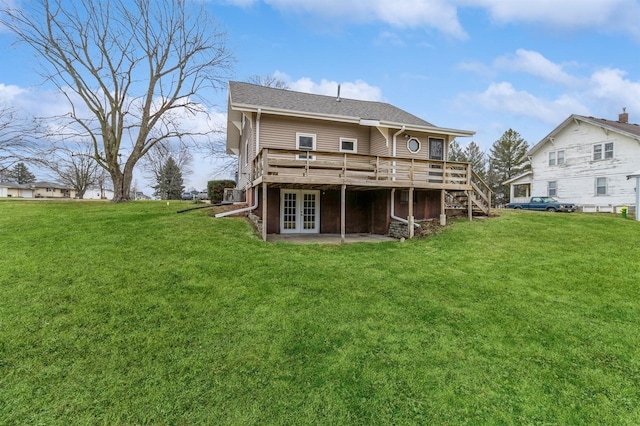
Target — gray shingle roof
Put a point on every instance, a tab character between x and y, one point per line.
297	102
631	128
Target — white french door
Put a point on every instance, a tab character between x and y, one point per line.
299	211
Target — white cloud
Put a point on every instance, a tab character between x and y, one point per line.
9	93
438	14
611	87
503	97
605	15
534	63
358	89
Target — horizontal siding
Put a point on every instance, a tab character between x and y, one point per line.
379	144
244	167
576	178
280	132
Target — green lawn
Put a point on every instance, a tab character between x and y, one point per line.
133	314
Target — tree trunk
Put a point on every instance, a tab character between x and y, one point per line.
121	185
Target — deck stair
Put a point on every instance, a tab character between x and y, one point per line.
479	197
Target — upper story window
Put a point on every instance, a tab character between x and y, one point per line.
556	158
305	142
413	145
603	151
436	149
348	145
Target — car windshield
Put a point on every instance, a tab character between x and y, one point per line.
549	200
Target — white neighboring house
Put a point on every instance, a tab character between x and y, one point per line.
96	193
585	161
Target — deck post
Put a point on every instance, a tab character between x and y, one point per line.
264	211
343	201
443	211
410	229
470	205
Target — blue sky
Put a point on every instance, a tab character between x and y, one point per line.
482	65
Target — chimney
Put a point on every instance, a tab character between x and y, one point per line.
338	98
624	117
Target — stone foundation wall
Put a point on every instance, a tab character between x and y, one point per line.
257	222
398	230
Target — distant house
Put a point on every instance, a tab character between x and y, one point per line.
96	193
325	164
584	160
45	189
15	190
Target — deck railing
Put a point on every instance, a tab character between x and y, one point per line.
318	167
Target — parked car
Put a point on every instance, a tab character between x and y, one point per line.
187	196
203	195
549	204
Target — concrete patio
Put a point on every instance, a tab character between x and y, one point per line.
328	238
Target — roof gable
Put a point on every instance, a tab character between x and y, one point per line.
630	130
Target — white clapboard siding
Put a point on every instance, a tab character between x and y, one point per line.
576	179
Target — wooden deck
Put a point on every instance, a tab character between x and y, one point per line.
277	166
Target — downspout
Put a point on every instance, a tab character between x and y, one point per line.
393	149
242	210
258	130
393	212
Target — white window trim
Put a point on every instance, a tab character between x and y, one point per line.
419	145
556	158
313	148
603	152
355	145
549	194
606	186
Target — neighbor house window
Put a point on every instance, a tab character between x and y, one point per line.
348	145
560	158
603	151
413	145
436	149
601	186
608	150
552	188
556	158
305	142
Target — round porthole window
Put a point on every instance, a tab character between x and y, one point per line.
413	145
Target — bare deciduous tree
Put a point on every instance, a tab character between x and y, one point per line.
15	143
74	166
130	71
157	157
268	81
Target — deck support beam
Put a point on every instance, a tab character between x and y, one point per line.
264	211
410	228
470	204
343	216
443	211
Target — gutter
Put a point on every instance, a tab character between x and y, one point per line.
242	210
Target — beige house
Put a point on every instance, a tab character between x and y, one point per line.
321	164
15	190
